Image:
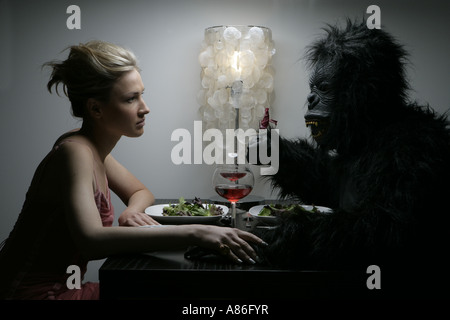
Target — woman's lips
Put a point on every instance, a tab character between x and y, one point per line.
141	123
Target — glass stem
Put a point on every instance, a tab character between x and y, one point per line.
233	214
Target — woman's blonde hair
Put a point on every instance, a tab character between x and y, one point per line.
90	71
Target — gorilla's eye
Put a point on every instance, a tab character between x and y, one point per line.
323	86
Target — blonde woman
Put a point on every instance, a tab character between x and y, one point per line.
67	215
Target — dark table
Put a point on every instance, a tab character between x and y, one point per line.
169	275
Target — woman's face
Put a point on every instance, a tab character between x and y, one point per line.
125	112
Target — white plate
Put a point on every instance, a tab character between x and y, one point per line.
254	211
156	212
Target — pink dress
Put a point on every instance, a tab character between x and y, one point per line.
35	257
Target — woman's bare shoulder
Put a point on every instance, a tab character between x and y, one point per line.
74	151
68	160
71	135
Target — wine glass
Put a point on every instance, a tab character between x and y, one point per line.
233	182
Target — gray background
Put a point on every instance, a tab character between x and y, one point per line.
166	36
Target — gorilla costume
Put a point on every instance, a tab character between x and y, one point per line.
379	161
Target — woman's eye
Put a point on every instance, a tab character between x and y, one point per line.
134	97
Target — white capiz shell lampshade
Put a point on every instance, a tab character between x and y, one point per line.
230	54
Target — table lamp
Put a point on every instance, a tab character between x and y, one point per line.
236	76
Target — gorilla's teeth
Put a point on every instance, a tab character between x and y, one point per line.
312	123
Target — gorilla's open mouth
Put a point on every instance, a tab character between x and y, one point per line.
317	126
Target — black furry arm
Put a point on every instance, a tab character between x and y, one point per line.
306	240
303	172
393	205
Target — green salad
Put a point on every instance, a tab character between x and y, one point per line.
274	210
194	208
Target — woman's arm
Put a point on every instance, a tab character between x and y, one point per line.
131	191
96	241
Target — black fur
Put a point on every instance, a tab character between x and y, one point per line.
387	178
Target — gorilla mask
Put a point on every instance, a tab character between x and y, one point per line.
357	82
320	101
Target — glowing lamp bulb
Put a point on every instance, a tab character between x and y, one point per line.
235	62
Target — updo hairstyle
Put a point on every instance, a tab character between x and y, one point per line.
90	71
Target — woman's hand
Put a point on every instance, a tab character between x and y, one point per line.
229	242
131	218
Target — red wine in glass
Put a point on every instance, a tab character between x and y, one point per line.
233	193
233	182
